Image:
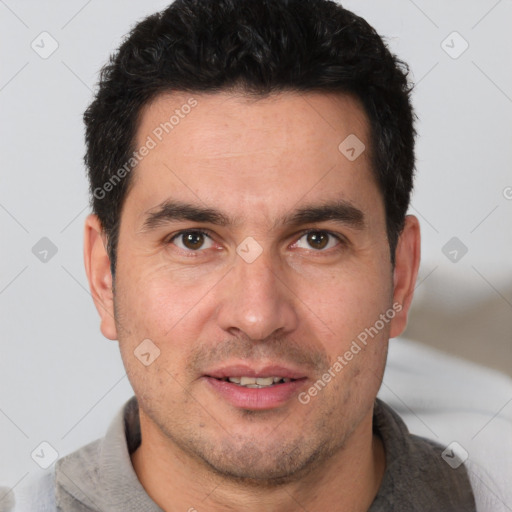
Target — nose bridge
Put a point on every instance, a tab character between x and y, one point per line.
259	278
257	301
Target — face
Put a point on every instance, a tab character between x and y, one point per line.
251	246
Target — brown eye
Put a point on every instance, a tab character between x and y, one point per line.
318	240
192	240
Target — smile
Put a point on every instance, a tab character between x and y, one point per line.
257	382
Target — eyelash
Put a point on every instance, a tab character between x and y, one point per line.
341	240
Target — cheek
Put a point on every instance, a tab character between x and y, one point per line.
346	302
153	343
157	301
161	305
350	304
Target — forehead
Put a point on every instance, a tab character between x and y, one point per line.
199	122
253	155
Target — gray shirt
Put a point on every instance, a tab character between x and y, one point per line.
99	477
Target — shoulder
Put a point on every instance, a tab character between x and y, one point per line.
442	397
38	495
421	475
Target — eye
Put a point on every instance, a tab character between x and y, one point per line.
192	240
318	240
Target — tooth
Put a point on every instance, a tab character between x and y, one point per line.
247	380
265	381
257	382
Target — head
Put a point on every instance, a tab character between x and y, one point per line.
251	164
257	48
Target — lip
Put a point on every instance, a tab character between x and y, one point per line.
255	398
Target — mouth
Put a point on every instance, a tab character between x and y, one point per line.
257	382
256	389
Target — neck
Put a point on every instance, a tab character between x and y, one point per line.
175	481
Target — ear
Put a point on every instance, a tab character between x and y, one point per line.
407	262
97	267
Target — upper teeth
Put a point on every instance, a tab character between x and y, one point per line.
256	382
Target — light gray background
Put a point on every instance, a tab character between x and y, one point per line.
61	381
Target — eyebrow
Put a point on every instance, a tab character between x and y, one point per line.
340	211
170	211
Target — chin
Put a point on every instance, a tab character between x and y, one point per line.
270	466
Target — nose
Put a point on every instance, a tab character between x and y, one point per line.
257	300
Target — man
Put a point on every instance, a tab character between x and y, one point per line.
251	164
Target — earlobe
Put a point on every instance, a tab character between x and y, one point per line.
97	267
407	262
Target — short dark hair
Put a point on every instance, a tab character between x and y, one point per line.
257	47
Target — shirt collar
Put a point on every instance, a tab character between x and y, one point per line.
100	475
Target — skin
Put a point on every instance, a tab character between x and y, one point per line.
299	303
